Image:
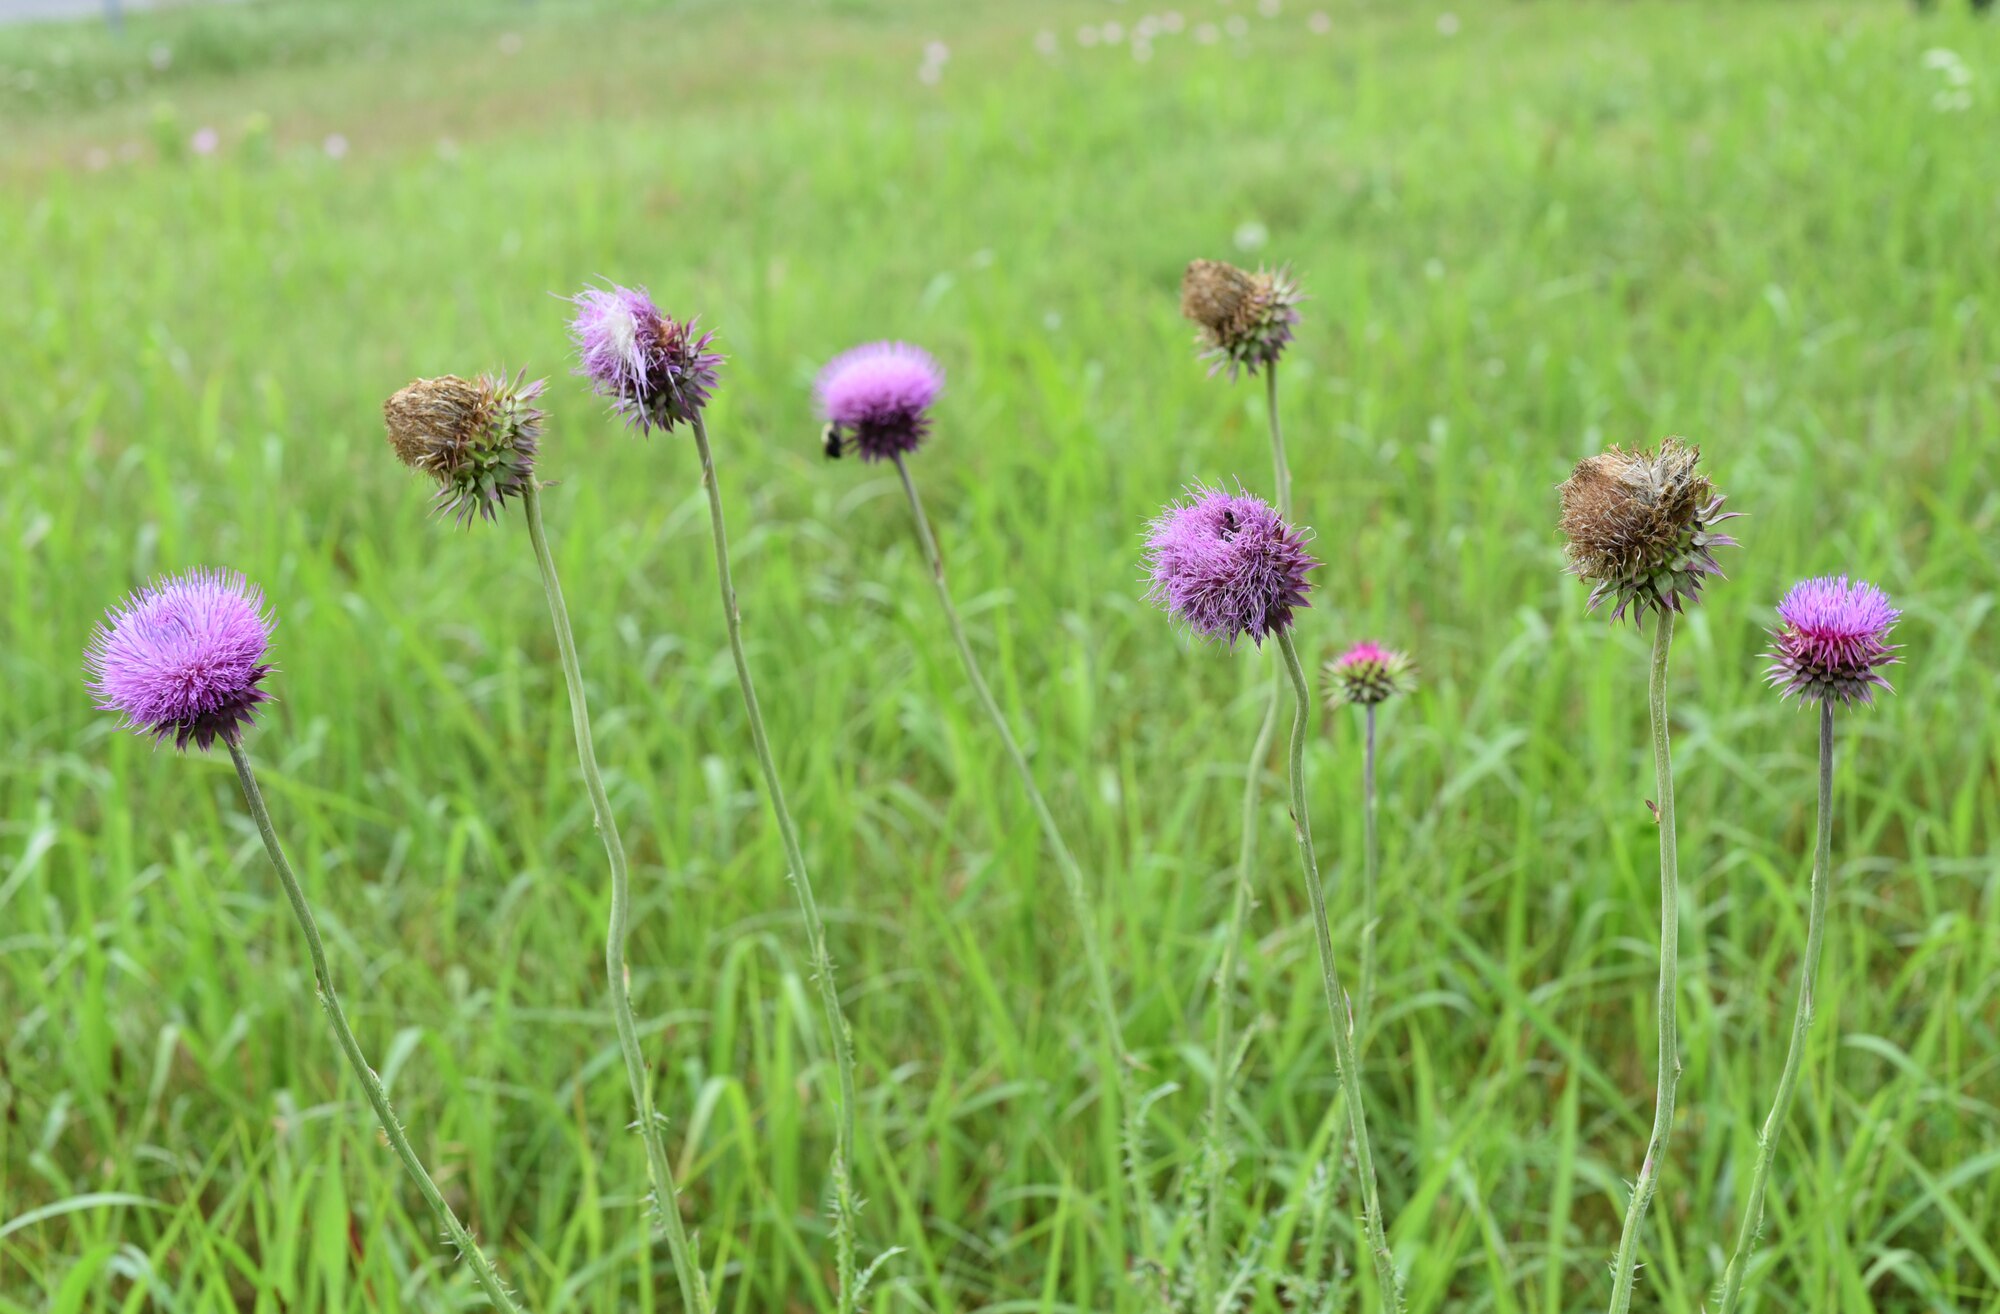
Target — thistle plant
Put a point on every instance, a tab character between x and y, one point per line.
1640	528
1366	676
1227	566
1831	640
1246	321
876	402
659	372
479	441
185	658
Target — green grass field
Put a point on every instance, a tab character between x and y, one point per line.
1541	229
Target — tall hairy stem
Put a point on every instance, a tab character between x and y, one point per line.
1072	874
1626	1263
618	977
846	1207
378	1098
1391	1288
1222	1057
1371	869
1788	1081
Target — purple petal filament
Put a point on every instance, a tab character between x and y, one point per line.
184	656
1832	638
876	399
1227	565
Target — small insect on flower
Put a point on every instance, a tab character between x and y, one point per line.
1832	638
1246	319
1367	674
477	438
184	656
876	399
1227	565
1641	527
658	371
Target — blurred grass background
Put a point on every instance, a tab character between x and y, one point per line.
1529	230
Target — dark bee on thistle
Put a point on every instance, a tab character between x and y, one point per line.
830	442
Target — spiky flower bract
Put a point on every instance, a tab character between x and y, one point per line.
184	656
1246	319
1641	527
1367	674
658	371
1227	564
1832	640
876	399
476	437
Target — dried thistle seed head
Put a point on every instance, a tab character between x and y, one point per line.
1641	527
1246	319
1367	674
477	438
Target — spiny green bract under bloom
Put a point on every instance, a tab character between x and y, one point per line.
477	438
1246	319
1833	637
1367	674
1641	527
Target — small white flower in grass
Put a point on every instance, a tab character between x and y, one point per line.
161	57
1171	22
1047	43
1319	24
1251	235
1270	8
1208	34
204	141
1113	33
335	146
510	43
1086	36
1447	24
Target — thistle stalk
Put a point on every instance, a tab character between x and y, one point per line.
1767	1141
1221	1057
468	1249
1338	1013
846	1207
1072	874
659	1169
1626	1262
1371	868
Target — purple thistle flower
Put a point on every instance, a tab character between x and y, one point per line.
876	399
1833	638
1227	565
656	370
183	656
1367	674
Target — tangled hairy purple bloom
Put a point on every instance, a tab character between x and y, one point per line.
184	656
1246	319
1227	564
876	399
1833	638
1367	674
657	371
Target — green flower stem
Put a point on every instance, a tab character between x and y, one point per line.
1222	1058
659	1170
1626	1263
1371	868
378	1098
846	1207
1072	874
1788	1081
1391	1288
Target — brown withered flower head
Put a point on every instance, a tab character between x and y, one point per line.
476	437
1246	319
1641	527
